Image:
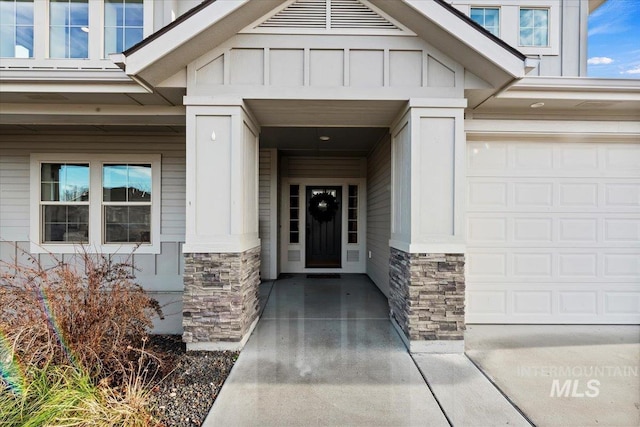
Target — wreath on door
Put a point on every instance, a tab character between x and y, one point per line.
323	207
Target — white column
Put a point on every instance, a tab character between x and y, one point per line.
222	179
428	177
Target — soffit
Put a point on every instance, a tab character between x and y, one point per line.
560	95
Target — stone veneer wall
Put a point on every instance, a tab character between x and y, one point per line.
220	295
427	295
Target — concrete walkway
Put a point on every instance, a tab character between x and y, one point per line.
325	354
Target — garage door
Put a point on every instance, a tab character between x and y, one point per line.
553	232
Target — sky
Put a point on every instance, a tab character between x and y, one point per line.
614	40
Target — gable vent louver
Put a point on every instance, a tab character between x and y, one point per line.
301	14
353	14
328	14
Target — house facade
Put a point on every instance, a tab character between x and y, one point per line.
452	150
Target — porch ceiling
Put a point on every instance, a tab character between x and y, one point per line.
326	113
305	141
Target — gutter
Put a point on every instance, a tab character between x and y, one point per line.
529	64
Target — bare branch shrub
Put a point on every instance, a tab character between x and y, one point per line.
90	313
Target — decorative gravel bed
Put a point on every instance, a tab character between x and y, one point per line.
192	383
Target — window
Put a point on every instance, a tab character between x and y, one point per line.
488	17
294	214
16	28
534	27
69	29
97	200
64	200
123	24
126	199
353	214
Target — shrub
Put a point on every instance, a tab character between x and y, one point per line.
67	396
89	314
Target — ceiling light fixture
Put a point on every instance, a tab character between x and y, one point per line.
324	138
537	105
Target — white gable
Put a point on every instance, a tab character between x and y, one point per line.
341	16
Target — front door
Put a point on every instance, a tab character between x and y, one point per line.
324	227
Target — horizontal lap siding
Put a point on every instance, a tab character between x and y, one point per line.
379	213
265	177
14	197
324	167
160	274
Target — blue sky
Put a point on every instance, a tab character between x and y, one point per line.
614	40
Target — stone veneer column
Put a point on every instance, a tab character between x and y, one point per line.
427	293
220	299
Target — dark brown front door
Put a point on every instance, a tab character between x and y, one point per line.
324	227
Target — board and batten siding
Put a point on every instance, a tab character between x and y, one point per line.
379	213
160	274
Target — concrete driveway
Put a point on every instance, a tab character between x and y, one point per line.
563	375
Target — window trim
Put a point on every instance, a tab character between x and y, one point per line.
96	220
498	8
548	10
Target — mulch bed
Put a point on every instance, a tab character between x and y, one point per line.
191	381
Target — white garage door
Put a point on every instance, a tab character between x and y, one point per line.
553	232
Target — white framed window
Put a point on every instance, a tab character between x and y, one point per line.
109	203
534	27
488	18
16	28
69	29
123	24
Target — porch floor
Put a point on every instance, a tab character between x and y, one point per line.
325	353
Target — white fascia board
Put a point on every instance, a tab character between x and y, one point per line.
69	87
470	36
578	88
179	35
577	83
97	109
552	127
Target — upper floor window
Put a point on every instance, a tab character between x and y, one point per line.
16	28
69	29
488	17
123	24
534	27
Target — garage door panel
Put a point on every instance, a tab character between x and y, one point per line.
623	158
622	265
532	303
622	195
553	232
557	159
525	194
543	303
622	303
578	194
578	302
552	265
622	230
